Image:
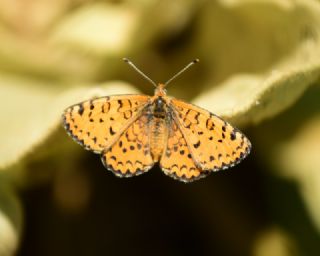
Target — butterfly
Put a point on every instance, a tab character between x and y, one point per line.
134	132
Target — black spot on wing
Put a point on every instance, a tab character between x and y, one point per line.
233	135
91	105
120	104
111	131
81	109
197	117
197	144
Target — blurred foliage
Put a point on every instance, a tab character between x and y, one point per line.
10	219
260	66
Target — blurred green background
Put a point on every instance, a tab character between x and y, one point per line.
259	68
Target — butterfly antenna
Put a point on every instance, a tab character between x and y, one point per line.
139	71
181	71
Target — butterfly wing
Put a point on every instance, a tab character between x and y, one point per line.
214	144
130	155
96	124
176	160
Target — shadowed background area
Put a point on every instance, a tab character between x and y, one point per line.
259	69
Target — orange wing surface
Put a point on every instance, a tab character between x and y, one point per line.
96	124
130	155
176	160
213	143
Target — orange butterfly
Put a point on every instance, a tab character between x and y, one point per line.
133	132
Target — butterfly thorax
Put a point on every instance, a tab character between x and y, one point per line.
159	108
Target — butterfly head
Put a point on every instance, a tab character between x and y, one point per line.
160	90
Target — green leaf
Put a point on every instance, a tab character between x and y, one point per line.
114	30
247	99
104	29
279	48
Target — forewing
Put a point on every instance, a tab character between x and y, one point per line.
214	143
96	123
177	160
130	154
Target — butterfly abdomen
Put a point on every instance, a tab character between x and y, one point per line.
158	131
